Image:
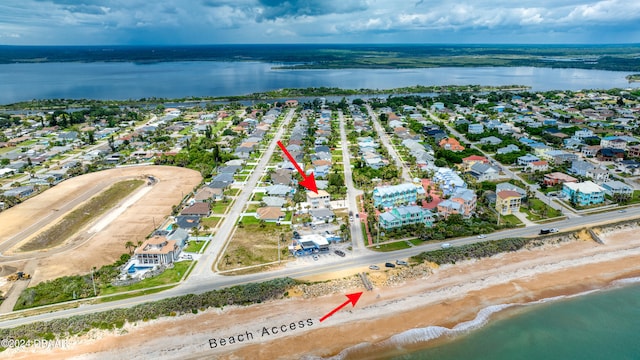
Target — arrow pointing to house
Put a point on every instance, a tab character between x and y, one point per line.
353	299
308	182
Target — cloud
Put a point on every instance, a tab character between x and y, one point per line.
371	21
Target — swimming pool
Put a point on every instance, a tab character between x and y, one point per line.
133	268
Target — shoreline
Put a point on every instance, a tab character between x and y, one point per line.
451	295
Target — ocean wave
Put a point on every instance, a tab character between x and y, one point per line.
425	334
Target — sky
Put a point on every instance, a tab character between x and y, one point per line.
177	22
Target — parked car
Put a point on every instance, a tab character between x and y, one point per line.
401	262
445	245
390	265
296	235
340	253
482	236
374	267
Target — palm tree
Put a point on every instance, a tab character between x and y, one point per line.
129	245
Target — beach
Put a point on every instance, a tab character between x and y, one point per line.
290	328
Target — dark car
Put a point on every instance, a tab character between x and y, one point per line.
296	235
339	253
390	265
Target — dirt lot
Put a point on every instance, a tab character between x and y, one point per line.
132	222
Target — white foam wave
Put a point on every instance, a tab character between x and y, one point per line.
627	281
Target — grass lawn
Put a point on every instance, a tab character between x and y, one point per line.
232	192
252	207
240	177
536	210
364	233
210	222
258	196
220	207
130	295
254	244
169	276
249	220
510	219
390	246
194	246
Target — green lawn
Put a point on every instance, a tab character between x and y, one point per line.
510	219
536	210
210	222
194	246
288	215
169	276
249	220
232	192
252	207
391	246
240	177
258	196
220	207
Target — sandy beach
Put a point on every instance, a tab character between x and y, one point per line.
449	295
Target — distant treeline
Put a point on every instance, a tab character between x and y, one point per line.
323	56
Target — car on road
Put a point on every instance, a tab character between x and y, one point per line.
340	253
482	236
445	245
401	262
390	265
374	267
622	211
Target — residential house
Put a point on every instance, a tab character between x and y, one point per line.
273	201
598	174
450	144
281	176
270	214
207	193
634	151
508	149
615	187
555	178
484	172
580	167
390	196
279	190
614	142
631	167
610	154
472	160
157	250
490	140
462	201
584	193
509	186
19	192
541	165
201	209
476	128
321	199
508	202
448	181
559	156
590	151
524	160
322	215
320	171
405	215
188	221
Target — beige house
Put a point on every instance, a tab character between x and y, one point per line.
157	250
320	200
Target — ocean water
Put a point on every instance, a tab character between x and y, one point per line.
599	325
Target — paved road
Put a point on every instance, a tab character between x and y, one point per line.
201	284
203	269
357	240
384	138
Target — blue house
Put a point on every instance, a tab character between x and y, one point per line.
389	196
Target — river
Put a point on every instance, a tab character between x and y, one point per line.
128	80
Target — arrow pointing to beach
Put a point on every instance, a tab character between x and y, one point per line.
308	182
353	299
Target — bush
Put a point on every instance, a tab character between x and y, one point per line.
472	251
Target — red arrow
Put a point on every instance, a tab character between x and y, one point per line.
353	299
308	182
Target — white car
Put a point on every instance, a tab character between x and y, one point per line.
482	236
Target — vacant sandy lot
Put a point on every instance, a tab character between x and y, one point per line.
130	221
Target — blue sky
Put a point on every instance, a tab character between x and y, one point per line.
132	22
